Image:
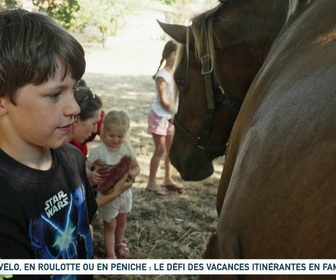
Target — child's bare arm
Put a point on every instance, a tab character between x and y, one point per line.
135	170
120	187
93	174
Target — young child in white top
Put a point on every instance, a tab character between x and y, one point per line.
111	150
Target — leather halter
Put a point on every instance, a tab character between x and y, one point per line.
214	92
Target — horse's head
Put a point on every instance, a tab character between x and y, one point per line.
220	54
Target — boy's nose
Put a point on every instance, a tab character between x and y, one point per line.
73	107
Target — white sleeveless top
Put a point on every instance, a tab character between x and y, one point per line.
156	106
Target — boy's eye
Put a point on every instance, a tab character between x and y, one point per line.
55	95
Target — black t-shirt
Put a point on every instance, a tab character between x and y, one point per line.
46	214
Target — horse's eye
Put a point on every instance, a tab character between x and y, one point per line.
179	82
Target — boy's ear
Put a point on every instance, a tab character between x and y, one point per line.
3	105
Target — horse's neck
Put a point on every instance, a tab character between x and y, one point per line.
251	26
293	45
284	44
266	22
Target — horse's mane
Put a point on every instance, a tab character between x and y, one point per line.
293	5
202	28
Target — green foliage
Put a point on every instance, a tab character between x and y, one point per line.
5	276
8	3
173	2
169	2
105	15
61	10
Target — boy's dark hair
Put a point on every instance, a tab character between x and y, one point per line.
31	47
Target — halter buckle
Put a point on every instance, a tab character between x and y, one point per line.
207	66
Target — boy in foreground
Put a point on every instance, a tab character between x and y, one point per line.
46	201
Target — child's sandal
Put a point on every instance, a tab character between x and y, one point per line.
122	251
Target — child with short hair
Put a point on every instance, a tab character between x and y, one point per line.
46	200
112	149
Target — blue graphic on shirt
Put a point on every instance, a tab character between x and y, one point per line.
62	231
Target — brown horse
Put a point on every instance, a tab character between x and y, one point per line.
219	58
277	191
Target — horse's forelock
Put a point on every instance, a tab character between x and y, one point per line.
204	34
179	56
181	49
202	30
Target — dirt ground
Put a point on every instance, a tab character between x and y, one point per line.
173	227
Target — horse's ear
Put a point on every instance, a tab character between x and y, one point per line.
177	32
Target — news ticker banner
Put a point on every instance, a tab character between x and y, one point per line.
168	267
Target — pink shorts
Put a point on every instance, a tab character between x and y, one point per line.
159	125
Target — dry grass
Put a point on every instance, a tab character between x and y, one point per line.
176	226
